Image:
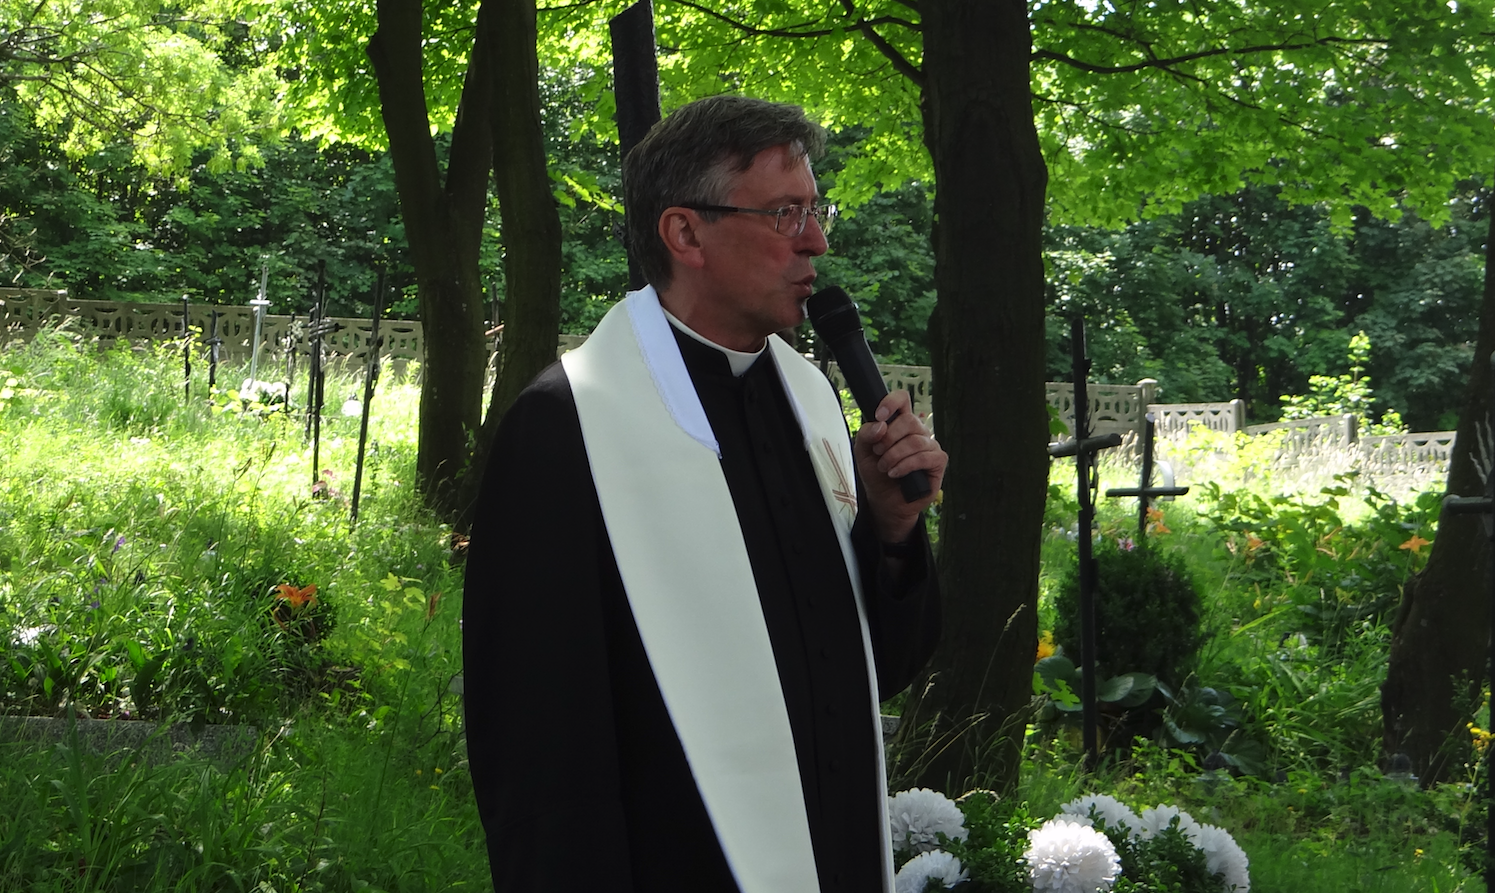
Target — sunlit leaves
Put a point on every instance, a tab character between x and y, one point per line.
168	81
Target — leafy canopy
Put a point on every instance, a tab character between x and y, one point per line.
168	80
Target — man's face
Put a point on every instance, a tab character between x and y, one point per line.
758	279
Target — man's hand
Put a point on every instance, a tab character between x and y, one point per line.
886	451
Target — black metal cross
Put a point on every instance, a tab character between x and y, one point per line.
215	350
318	327
370	377
1144	491
1084	448
1485	505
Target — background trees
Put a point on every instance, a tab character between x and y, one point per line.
1138	110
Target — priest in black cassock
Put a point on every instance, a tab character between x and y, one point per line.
687	587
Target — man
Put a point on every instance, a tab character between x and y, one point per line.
681	609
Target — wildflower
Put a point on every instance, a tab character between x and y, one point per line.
1253	542
298	598
1065	856
1224	856
1155	521
936	865
1415	544
918	816
1108	809
120	541
1126	543
1046	646
1159	818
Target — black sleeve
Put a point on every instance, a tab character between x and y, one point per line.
539	711
903	613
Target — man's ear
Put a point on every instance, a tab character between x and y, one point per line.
677	227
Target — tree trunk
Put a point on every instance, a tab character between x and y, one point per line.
531	223
444	226
1440	639
987	342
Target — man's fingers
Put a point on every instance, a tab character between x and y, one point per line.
898	454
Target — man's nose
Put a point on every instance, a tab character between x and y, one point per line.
812	241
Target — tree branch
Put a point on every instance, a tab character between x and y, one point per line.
795	30
904	67
1170	62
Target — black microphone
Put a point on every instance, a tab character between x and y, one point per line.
835	318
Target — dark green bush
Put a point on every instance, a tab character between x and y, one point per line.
1147	613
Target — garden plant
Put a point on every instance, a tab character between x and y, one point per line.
178	562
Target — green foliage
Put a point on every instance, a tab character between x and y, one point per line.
1147	612
164	82
140	575
998	836
1248	296
1349	393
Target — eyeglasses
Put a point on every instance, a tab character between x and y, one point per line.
789	220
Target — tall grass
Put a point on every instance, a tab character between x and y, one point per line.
142	540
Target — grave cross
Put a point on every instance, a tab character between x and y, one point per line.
1144	491
215	348
370	377
186	353
1485	505
1084	448
316	328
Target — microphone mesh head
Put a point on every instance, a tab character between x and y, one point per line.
833	313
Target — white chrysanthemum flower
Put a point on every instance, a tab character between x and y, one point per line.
1224	856
938	865
1065	856
1157	819
1107	808
916	817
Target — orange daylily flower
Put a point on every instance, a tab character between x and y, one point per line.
1415	544
1253	542
1046	646
298	598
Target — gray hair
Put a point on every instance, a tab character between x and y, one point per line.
693	157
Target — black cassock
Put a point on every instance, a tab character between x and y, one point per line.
580	779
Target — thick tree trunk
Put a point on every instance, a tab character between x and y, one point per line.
531	224
987	342
1440	639
444	226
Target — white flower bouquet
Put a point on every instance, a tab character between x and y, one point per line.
1096	844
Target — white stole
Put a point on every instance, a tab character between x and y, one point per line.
679	548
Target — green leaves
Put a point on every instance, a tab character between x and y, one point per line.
167	82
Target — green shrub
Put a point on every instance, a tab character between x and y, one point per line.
1147	613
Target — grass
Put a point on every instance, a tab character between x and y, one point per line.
144	540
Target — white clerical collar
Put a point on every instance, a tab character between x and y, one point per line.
740	361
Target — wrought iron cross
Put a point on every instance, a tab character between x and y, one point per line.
1084	448
1144	491
370	378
